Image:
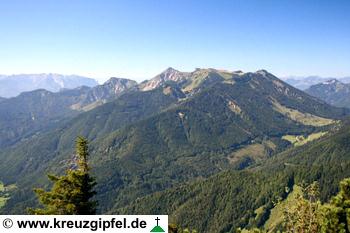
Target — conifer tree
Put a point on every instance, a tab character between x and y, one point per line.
337	212
72	192
304	216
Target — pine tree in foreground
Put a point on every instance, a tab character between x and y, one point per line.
308	215
337	212
305	215
72	192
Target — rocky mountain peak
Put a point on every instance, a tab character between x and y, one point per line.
332	82
121	82
263	72
112	88
170	74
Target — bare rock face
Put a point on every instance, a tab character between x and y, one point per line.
169	74
111	88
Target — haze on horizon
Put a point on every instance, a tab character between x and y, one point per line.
139	39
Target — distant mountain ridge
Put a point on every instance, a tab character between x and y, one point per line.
36	110
332	91
187	125
13	85
304	83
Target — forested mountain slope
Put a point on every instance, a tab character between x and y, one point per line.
40	110
234	199
148	141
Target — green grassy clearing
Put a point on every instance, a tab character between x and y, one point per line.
299	140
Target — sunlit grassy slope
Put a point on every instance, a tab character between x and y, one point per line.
276	215
303	118
298	140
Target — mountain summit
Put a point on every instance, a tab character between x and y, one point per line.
111	88
188	81
332	91
167	75
174	128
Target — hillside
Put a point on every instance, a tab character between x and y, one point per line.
148	141
244	199
13	85
26	162
39	110
333	92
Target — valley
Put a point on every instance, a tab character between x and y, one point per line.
184	144
208	116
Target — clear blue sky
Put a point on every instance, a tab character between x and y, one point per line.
138	39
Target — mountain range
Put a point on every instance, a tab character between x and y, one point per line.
304	83
31	112
332	91
13	85
212	148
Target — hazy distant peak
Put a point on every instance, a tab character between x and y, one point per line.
331	91
81	88
332	81
13	85
304	83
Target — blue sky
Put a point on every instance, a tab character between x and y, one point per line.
138	39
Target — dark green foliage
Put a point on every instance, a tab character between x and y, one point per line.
175	229
28	162
220	204
326	160
308	215
71	193
227	201
35	111
336	215
41	110
305	214
145	142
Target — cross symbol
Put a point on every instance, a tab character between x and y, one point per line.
157	219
